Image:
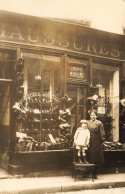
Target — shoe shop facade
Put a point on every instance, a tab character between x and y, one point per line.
52	73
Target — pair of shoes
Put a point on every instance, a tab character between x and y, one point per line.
84	160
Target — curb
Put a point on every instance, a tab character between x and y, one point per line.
66	187
88	186
81	186
120	184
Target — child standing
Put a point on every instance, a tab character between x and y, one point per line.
81	140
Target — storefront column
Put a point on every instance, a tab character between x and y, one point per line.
12	115
90	74
116	106
123	69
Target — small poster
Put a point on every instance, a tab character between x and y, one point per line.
101	110
76	72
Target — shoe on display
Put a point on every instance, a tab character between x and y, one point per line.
25	109
94	97
36	111
20	89
20	75
20	61
62	113
66	98
68	111
20	118
36	119
36	131
19	81
17	106
61	119
51	138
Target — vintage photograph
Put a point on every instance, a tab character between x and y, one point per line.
62	96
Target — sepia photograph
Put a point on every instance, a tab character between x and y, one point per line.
62	96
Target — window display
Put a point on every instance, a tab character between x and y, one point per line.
41	113
6	64
44	119
103	95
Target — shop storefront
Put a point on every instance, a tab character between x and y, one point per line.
52	74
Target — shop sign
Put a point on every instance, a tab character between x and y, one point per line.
76	72
37	94
49	34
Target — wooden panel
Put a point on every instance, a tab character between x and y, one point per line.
40	160
124	69
50	33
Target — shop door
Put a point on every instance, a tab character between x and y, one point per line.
78	95
4	116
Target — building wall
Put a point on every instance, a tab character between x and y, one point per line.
104	14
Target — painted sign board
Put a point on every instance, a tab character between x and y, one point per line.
61	35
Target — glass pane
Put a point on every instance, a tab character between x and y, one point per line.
4	116
104	83
78	96
6	64
1	69
51	71
40	104
51	74
32	86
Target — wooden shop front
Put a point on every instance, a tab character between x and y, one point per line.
59	72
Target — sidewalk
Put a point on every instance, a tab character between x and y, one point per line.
59	184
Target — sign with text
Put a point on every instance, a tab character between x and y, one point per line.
76	72
101	110
60	35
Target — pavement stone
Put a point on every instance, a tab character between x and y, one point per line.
60	184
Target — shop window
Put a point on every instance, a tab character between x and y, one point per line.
6	64
6	75
51	71
38	119
122	112
103	95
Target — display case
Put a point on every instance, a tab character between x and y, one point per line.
103	96
41	113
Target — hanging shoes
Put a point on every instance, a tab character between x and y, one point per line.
20	64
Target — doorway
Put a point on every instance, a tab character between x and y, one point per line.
78	95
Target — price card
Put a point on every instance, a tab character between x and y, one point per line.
101	110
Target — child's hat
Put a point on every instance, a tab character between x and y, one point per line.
83	121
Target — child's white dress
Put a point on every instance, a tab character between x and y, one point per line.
82	138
